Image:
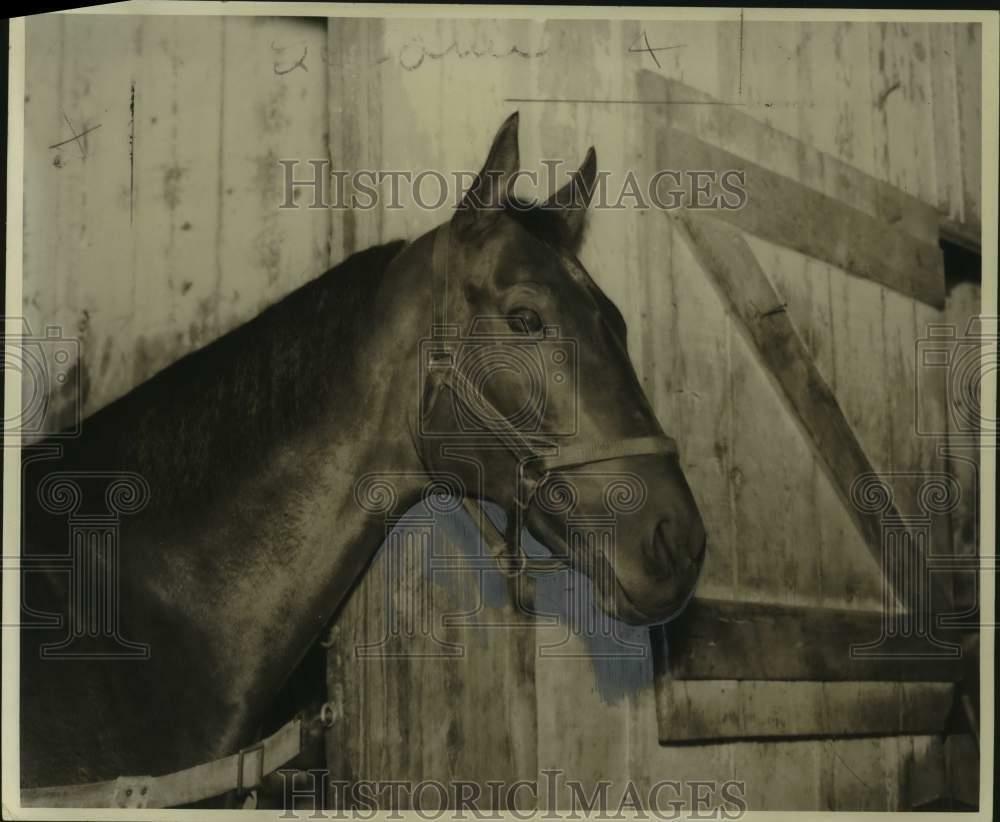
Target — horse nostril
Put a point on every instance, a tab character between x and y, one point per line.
662	542
691	546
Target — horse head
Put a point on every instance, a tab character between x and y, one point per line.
528	396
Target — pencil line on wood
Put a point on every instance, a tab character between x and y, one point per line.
623	101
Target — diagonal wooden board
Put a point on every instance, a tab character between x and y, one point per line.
732	129
870	228
782	211
727	258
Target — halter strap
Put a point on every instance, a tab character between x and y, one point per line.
439	275
573	456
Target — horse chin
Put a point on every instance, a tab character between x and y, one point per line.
612	597
616	604
610	594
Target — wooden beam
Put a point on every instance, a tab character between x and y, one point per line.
785	212
715	711
860	230
729	261
726	640
967	236
732	129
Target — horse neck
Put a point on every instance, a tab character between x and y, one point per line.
308	531
256	530
365	436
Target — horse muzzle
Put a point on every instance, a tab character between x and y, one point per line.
657	589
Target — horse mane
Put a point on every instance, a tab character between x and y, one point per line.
196	424
215	410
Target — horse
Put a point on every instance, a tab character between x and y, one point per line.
241	526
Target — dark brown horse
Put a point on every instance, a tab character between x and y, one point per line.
250	451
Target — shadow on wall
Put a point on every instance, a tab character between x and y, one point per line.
463	586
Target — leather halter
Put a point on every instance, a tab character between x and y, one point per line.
536	459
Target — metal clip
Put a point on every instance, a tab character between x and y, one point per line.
333	710
132	791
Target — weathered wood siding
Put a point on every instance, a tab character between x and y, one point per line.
779	533
190	116
159	230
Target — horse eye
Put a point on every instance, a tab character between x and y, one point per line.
524	321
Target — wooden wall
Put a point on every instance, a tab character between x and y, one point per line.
779	533
161	232
158	230
190	115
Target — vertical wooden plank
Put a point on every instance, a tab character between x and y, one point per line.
853	775
766	766
653	763
945	107
264	250
964	303
434	667
902	119
860	387
177	145
771	86
53	174
833	71
354	48
902	129
923	772
846	574
588	750
969	57
855	135
961	757
928	423
771	465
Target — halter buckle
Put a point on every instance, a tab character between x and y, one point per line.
241	784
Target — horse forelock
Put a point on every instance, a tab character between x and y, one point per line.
547	225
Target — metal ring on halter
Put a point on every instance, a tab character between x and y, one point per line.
515	564
327	715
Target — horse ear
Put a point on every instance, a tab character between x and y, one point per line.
489	191
570	202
